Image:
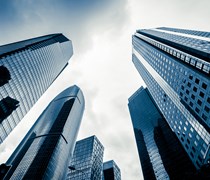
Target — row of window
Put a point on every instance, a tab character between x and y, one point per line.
173	72
191	60
187	31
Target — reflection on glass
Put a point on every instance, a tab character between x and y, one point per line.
4	75
7	106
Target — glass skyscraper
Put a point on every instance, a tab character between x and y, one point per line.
45	151
27	69
87	161
175	65
161	154
111	171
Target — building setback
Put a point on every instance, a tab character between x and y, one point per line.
45	151
111	171
175	65
27	69
87	161
161	154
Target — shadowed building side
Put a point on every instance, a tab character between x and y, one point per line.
45	151
111	171
161	154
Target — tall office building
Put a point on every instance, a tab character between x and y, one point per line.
161	154
45	151
175	65
111	171
87	161
27	69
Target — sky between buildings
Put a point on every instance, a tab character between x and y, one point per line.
101	66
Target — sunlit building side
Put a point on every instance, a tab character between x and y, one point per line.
111	171
27	69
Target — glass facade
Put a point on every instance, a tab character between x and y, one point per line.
87	161
111	171
27	69
176	68
187	31
161	154
45	151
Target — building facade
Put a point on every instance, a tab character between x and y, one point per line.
111	171
160	152
27	69
45	151
175	65
87	161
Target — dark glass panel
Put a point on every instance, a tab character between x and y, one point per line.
4	75
40	162
7	106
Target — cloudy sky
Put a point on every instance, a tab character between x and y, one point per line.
101	33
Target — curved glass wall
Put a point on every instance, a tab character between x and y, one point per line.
46	150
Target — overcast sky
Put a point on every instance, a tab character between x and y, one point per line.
101	66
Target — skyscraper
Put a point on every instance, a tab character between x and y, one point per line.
161	154
175	65
111	171
87	161
27	69
45	151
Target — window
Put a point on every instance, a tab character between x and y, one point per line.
195	89
182	87
182	56
204	117
191	104
199	102
192	62
206	109
189	84
204	86
195	142
187	59
197	81
200	159
186	146
190	77
197	137
201	94
206	68
208	100
193	96
199	65
197	110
